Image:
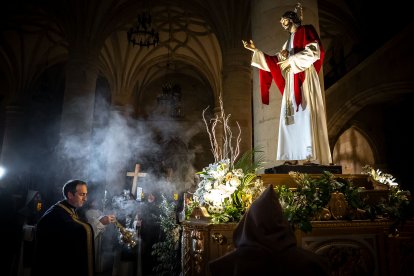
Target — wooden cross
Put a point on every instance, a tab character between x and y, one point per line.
135	174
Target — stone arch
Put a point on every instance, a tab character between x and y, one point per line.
353	150
381	93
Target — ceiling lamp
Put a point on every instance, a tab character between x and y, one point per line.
143	34
170	100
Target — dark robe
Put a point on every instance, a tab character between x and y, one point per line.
10	231
266	245
64	244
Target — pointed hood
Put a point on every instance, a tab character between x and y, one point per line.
264	225
265	245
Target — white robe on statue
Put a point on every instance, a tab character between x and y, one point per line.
306	138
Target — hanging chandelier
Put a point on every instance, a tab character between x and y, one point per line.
170	100
143	34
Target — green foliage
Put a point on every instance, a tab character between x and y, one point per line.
232	212
312	194
167	250
398	206
251	161
189	209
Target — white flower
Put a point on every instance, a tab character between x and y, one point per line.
215	209
238	173
208	186
391	182
234	182
216	184
227	190
379	176
215	196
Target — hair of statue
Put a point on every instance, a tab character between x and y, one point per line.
296	15
299	11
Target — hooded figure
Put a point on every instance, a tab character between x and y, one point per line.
265	245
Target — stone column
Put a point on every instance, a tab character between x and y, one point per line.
77	115
237	98
269	37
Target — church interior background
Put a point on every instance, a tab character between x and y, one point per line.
78	100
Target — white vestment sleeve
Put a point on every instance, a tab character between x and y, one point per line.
304	59
259	61
93	216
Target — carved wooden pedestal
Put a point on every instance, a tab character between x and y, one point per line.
358	247
352	247
361	247
202	242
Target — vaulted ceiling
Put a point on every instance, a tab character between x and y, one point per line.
351	30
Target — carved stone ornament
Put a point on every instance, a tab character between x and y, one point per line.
323	214
338	205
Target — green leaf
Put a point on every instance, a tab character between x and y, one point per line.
250	161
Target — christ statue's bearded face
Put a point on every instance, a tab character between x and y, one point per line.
286	23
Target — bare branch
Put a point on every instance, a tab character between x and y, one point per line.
223	149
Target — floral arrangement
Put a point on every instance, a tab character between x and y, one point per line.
227	190
227	187
398	205
305	203
379	176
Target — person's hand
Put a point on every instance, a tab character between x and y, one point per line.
284	53
284	65
249	45
107	219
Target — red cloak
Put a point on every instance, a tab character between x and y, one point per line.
304	35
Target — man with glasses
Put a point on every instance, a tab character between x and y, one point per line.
64	245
